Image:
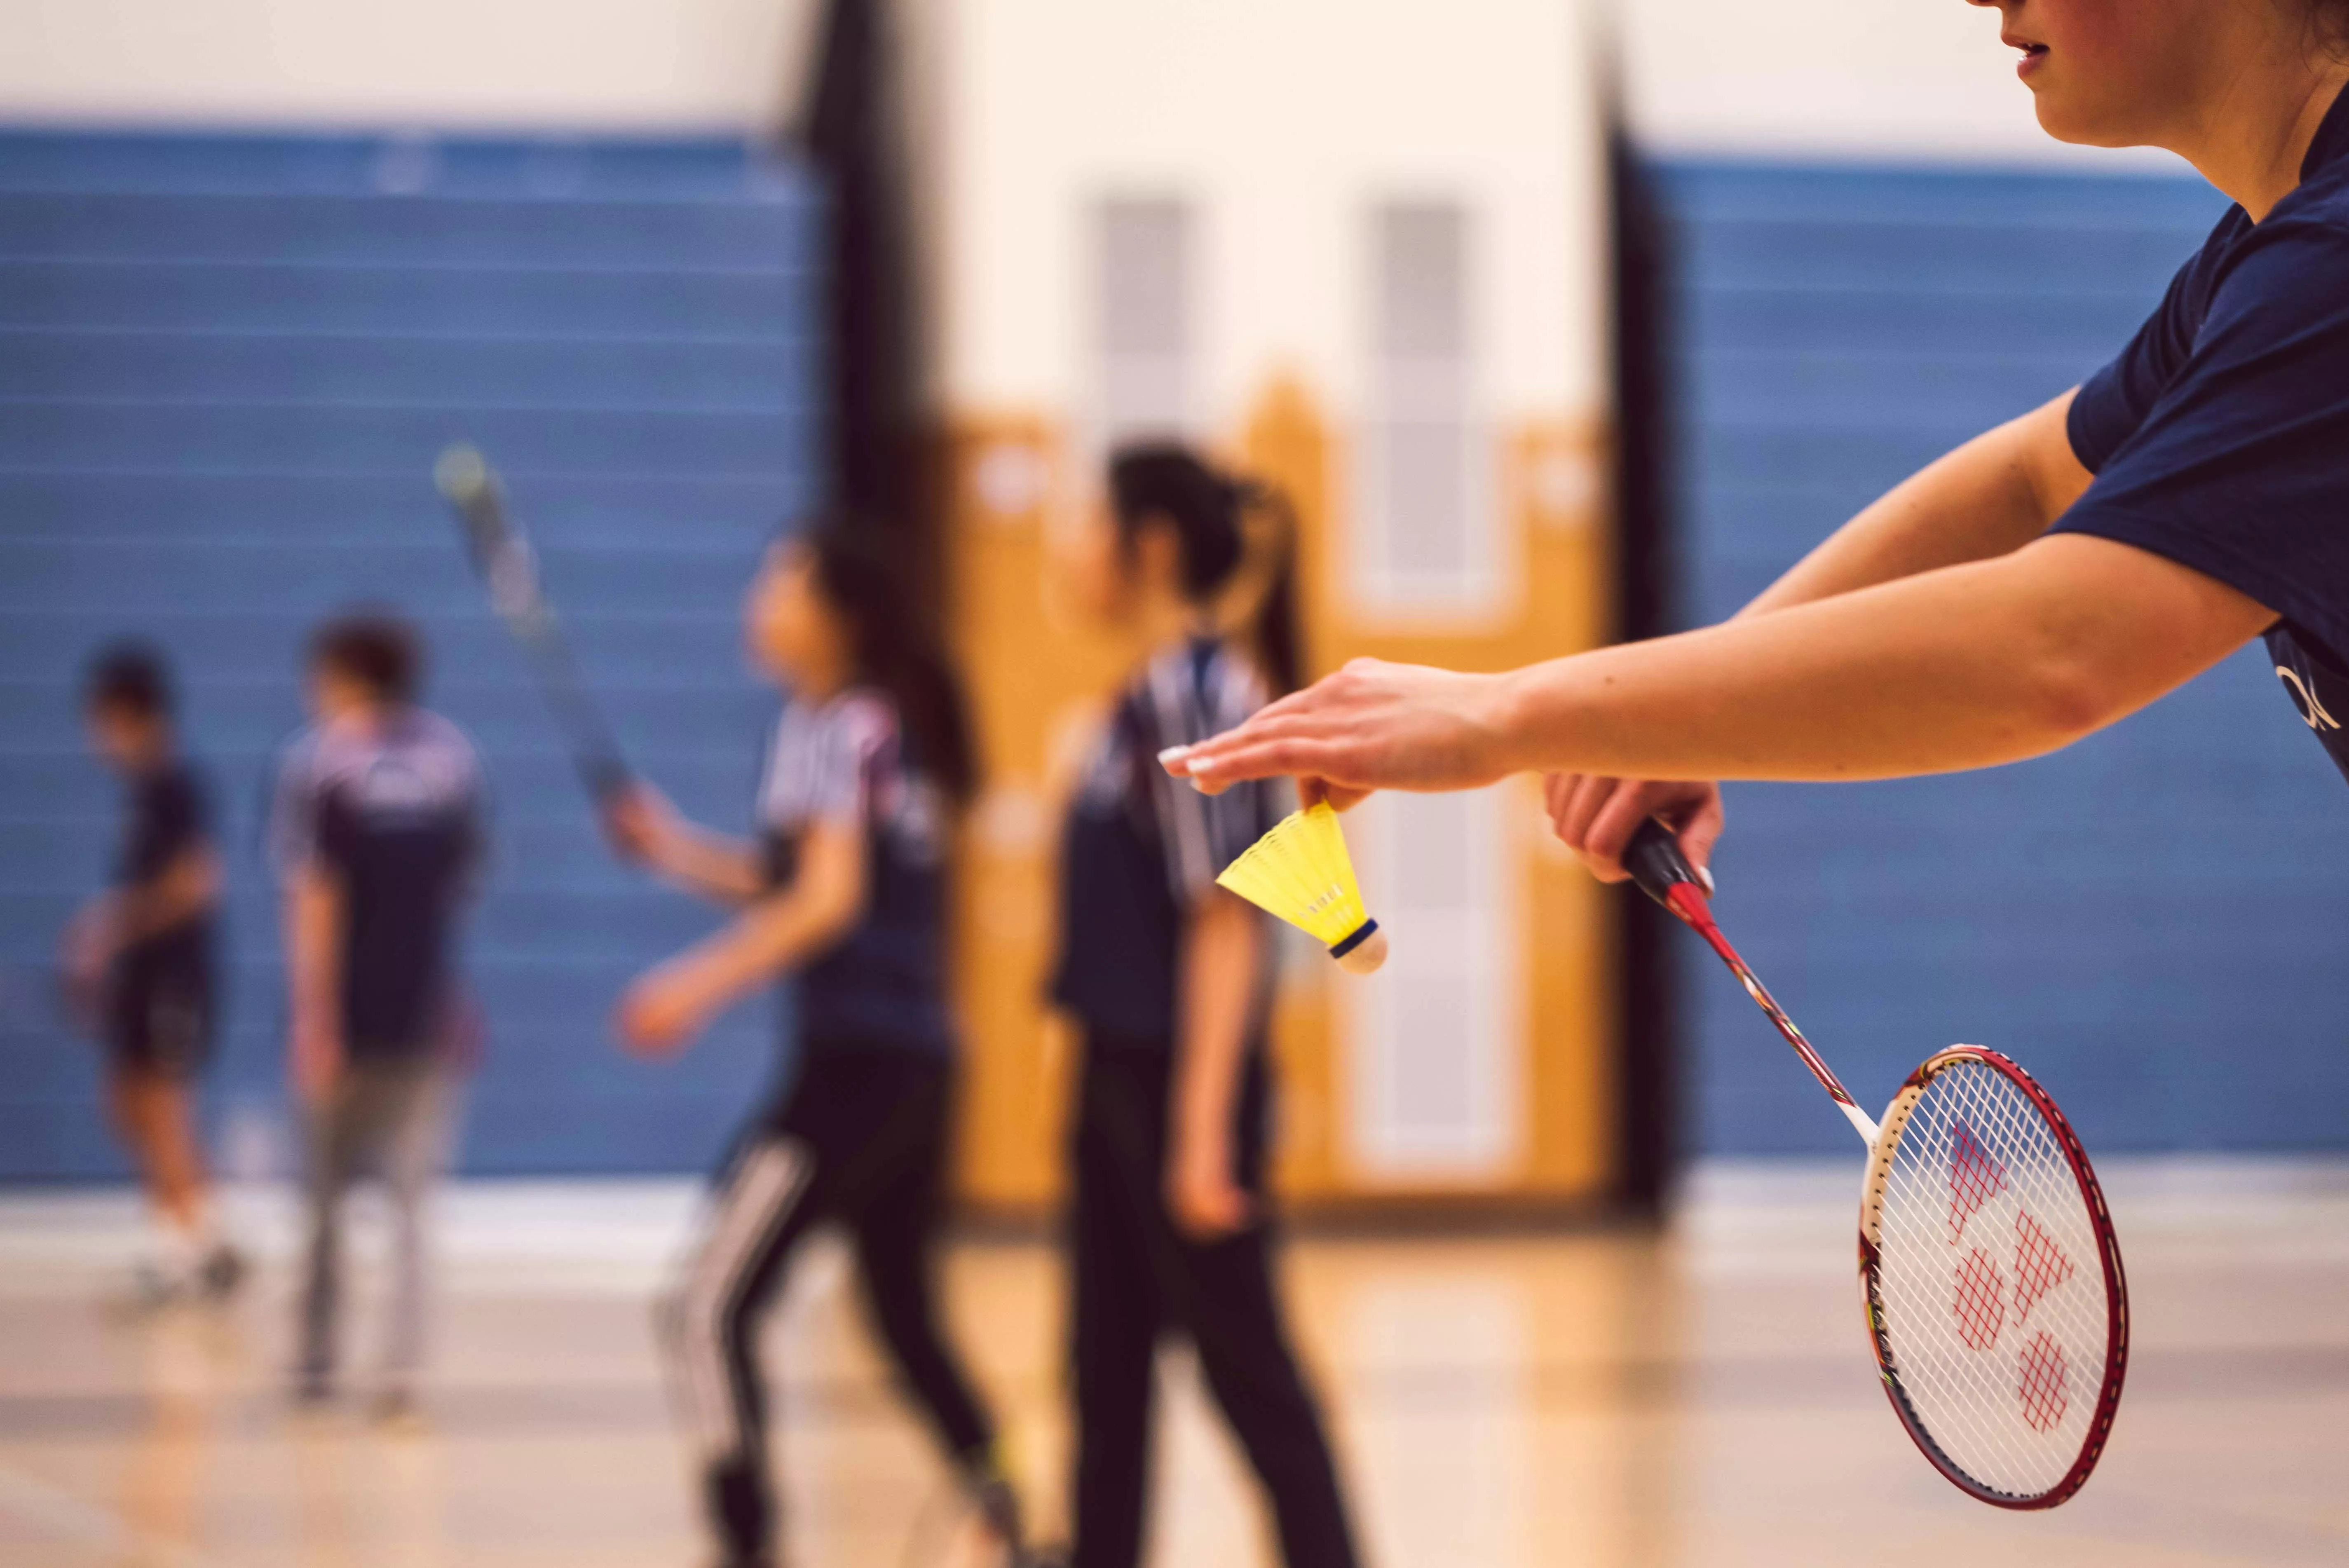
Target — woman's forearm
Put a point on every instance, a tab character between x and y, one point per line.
1995	494
1221	952
1964	666
1961	666
782	931
185	889
713	865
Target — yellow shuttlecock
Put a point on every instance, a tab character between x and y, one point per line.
1301	873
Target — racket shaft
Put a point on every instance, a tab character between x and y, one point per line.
1657	865
502	557
593	751
1687	902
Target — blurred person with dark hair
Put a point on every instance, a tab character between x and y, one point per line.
377	833
869	767
2035	585
1170	978
140	961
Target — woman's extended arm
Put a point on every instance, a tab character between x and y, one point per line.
1960	666
1223	949
647	831
673	1003
1992	496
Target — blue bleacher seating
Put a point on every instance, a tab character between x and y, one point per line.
226	364
2157	920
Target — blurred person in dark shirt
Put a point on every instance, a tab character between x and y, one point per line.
376	833
138	961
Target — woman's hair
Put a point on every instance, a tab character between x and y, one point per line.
128	677
896	648
376	648
1211	514
2329	19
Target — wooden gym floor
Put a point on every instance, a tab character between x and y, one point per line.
1606	1400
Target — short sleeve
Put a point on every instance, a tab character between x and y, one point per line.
2112	402
822	765
2236	468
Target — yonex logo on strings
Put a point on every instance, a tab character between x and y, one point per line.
2304	699
1980	1297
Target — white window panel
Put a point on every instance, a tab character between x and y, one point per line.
1435	1086
1145	331
1426	539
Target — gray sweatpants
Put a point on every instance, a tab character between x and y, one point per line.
387	1120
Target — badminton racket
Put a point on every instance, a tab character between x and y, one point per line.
1988	1271
501	553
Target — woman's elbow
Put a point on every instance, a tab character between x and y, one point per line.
838	911
2070	693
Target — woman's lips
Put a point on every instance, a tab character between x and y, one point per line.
2034	57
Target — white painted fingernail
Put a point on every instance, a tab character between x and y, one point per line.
1705	876
1172	755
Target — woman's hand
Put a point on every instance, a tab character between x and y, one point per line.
1200	1195
661	1013
1595	817
90	941
641	825
1372	726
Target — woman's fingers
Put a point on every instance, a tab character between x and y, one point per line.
1609	831
1332	763
1589	795
1701	829
1312	791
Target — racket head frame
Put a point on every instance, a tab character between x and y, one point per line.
1871	1207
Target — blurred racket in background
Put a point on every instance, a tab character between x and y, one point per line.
501	553
1990	1274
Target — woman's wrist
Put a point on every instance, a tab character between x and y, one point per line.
1512	713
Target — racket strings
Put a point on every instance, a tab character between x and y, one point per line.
1994	1302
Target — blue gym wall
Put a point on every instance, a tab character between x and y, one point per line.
226	364
2157	920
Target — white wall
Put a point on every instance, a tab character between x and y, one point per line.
1286	120
586	65
1877	79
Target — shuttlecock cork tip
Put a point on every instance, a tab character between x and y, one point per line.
1363	952
1366	958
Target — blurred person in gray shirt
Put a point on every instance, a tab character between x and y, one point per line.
377	829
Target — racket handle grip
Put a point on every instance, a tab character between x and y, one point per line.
1654	859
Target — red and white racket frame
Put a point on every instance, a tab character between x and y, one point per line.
1872	1207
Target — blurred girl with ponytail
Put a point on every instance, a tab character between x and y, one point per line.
1170	979
844	888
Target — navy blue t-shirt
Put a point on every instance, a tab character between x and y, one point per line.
1140	848
846	763
396	816
2219	438
170	816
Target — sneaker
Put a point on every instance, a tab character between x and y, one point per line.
397	1412
999	1505
222	1270
154	1286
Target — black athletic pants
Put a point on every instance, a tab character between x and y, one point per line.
1137	1278
859	1139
